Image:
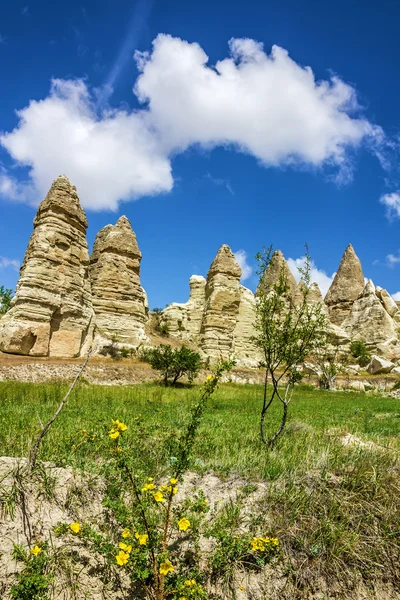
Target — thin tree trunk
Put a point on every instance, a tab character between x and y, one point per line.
265	408
276	435
45	429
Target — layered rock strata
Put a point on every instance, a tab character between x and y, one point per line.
51	312
221	309
184	320
370	322
119	301
347	285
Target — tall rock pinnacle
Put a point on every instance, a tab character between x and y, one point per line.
346	286
51	312
119	300
222	299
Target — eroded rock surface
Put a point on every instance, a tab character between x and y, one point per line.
119	300
346	287
51	312
184	319
222	300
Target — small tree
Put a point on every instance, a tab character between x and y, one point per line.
359	351
330	363
5	299
173	363
288	329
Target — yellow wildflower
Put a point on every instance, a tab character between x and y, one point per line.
114	434
210	377
166	567
183	524
148	487
275	541
150	479
126	533
36	550
119	425
142	538
75	527
258	543
182	598
158	497
175	490
125	547
173	481
188	582
122	558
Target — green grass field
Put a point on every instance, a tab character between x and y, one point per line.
336	508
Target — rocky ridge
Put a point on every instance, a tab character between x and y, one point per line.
66	303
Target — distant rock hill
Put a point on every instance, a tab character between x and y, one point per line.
66	302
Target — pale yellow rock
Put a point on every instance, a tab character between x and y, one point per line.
346	287
222	300
388	303
119	301
277	268
184	320
53	295
244	349
369	322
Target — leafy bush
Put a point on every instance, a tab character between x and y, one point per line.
5	299
359	350
173	363
163	329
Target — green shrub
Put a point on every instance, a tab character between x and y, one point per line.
173	363
359	350
5	299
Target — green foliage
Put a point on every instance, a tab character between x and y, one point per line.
360	351
162	329
173	363
289	328
5	299
33	580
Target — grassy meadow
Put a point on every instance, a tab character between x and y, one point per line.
335	508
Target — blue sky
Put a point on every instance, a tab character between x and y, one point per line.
251	146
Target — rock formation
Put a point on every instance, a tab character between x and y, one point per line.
119	301
65	304
369	322
184	320
222	300
243	347
276	268
51	312
346	286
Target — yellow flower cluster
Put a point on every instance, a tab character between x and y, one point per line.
116	429
190	582
262	543
210	377
194	590
125	549
159	494
166	567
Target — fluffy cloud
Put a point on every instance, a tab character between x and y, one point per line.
262	104
317	276
392	260
9	262
392	204
396	296
110	158
241	258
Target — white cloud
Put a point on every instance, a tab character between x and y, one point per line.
396	296
392	204
241	259
317	276
264	105
220	181
108	159
392	260
9	262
